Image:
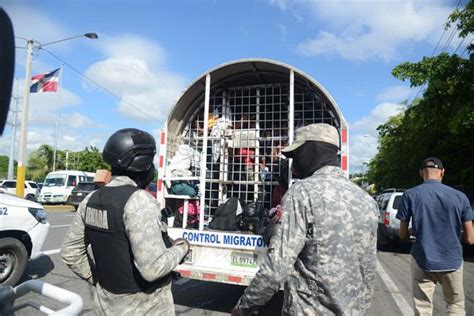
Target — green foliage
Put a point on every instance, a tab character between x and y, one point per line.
4	167
90	160
41	161
440	124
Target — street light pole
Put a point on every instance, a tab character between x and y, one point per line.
20	175
21	171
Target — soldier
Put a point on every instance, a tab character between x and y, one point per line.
324	248
130	265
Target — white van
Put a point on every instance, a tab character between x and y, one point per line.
58	185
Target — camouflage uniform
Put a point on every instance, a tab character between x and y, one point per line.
323	249
154	261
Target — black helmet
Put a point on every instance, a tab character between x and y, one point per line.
130	149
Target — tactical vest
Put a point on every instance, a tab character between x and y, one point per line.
105	231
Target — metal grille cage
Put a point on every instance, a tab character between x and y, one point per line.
248	126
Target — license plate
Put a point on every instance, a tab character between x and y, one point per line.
242	259
189	257
79	193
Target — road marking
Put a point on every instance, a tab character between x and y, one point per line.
57	226
402	304
51	252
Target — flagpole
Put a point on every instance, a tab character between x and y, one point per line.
57	117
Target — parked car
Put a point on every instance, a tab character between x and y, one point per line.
31	189
389	225
79	192
23	230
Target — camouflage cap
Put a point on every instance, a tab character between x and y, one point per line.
319	132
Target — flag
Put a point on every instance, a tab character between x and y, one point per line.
45	82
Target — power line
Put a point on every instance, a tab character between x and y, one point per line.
450	38
459	45
434	50
439	41
101	86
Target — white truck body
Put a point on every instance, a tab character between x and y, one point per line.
58	185
251	109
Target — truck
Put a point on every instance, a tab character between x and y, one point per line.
234	120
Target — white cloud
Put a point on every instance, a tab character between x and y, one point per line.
139	76
362	30
363	137
395	94
76	120
68	139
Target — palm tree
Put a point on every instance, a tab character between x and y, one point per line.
40	162
46	153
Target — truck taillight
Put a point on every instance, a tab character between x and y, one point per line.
386	218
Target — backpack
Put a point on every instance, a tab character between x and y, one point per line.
193	215
228	215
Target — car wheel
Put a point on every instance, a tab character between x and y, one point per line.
13	259
30	197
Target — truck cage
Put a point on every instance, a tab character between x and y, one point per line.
250	117
235	119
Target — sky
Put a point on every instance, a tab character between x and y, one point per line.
148	52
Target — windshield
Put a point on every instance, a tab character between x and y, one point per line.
85	186
55	181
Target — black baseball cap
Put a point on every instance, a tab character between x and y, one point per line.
432	162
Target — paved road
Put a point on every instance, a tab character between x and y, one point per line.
392	294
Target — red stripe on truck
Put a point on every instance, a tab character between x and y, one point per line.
162	138
160	185
185	273
234	279
344	136
162	161
209	276
344	163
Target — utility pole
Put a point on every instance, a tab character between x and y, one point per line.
11	159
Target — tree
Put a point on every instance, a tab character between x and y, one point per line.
90	159
4	166
440	123
40	162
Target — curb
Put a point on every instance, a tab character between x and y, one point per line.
59	208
